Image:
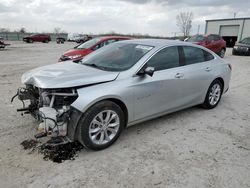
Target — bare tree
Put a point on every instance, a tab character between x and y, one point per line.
184	22
4	30
57	30
22	30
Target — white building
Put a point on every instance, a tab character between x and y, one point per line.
232	30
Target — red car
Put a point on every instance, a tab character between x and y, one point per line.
213	42
86	48
37	38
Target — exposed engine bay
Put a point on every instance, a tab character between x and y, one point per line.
51	107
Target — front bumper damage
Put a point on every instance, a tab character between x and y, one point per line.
52	108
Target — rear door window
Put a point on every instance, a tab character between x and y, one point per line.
207	56
210	38
216	37
109	41
195	55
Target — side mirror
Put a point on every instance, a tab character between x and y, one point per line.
77	61
147	70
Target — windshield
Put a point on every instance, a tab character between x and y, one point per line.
196	38
116	56
89	43
245	41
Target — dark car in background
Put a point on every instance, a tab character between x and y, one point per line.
2	43
213	42
242	47
78	52
37	38
60	40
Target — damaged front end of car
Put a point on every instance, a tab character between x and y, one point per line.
51	107
51	94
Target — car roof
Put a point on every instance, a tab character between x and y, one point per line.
156	42
114	37
206	35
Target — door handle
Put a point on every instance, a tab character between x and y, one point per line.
179	75
208	69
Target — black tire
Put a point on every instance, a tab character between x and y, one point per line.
222	53
234	52
30	41
207	103
90	115
46	41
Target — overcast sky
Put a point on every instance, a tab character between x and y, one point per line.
154	17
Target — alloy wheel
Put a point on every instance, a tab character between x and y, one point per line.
214	94
104	127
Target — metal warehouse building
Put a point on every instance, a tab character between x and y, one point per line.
231	30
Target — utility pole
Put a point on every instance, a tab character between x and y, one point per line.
234	14
198	32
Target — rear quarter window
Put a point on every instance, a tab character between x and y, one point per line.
207	55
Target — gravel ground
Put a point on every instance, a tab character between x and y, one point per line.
190	148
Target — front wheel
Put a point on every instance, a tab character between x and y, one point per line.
101	125
213	95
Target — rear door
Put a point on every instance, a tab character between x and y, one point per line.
197	73
214	43
211	43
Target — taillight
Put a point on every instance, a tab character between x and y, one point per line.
230	66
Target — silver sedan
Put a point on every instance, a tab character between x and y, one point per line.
120	85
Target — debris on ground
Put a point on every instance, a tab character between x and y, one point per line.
56	153
61	152
29	144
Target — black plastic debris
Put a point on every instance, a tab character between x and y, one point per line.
57	152
29	144
60	153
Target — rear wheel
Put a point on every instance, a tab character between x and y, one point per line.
101	125
213	95
222	53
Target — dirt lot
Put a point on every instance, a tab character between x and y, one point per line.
191	148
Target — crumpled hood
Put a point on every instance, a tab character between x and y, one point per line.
65	75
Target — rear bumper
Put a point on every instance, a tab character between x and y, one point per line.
3	45
241	52
26	40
